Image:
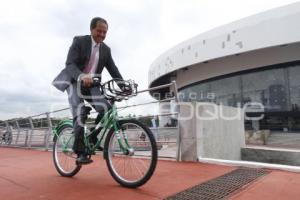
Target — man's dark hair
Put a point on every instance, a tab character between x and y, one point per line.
95	20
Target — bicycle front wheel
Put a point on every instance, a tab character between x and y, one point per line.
131	153
63	156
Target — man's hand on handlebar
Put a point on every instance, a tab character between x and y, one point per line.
87	80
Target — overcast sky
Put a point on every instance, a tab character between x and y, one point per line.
35	37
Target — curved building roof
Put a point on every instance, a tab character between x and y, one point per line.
275	27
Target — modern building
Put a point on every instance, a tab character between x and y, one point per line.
253	60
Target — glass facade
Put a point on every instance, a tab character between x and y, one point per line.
277	88
294	87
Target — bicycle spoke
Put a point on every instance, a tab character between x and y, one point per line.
137	169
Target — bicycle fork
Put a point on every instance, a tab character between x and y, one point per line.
124	146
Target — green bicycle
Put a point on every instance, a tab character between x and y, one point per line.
129	147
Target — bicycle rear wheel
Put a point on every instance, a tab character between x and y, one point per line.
134	166
63	156
7	138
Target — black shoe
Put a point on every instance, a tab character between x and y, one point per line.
83	159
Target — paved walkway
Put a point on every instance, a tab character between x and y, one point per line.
30	174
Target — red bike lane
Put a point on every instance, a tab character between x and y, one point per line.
30	174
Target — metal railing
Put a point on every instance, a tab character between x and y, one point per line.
36	131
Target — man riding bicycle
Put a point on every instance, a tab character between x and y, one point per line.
87	57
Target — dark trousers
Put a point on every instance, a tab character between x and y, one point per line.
76	97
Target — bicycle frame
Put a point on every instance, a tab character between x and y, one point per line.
109	120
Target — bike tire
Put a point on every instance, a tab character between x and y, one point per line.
58	165
6	138
151	162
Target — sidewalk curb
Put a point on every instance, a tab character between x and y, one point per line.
250	164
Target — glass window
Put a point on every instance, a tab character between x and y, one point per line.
294	83
277	89
198	93
266	87
227	91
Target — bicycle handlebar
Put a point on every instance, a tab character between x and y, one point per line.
109	89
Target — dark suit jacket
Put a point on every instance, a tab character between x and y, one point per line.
78	57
